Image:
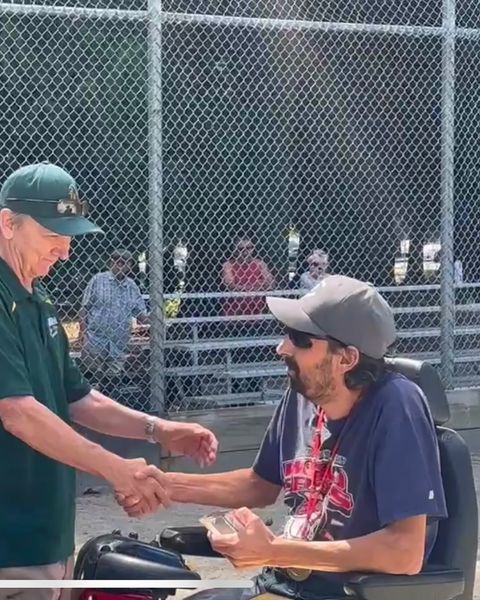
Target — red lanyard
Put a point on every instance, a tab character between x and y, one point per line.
315	491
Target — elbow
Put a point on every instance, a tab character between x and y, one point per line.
11	424
13	416
406	566
413	565
402	547
405	560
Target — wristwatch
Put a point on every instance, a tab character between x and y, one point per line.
150	429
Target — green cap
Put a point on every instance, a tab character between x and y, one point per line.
49	195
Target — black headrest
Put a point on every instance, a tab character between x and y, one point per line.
427	378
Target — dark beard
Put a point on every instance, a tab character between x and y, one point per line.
318	388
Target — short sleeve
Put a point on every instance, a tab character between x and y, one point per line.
406	464
75	385
267	464
14	380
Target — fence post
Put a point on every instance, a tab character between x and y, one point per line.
157	327
447	288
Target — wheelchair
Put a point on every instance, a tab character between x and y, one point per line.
449	573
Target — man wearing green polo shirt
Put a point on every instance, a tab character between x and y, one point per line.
42	392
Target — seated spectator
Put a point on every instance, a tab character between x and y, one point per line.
245	272
317	270
110	302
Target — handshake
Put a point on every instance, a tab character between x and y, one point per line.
140	489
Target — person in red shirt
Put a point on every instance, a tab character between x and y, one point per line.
244	272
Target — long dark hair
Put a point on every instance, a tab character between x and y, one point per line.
366	372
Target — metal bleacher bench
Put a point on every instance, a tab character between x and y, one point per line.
229	370
196	341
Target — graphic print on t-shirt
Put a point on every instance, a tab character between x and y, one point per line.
326	481
387	464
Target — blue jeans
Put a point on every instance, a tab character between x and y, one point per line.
271	580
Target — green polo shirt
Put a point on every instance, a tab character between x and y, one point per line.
37	494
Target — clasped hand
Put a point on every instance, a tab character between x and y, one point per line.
145	487
140	488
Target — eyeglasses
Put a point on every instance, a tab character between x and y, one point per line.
301	339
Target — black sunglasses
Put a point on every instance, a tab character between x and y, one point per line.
301	339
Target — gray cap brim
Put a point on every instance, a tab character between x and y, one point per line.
289	312
69	226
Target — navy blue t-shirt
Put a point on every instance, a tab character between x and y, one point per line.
386	468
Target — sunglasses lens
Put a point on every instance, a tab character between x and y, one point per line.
299	339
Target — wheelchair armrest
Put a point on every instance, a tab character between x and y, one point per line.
434	583
191	540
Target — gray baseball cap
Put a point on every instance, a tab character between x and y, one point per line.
346	309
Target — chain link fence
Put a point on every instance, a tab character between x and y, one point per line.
234	147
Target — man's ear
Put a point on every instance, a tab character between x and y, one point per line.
7	223
349	358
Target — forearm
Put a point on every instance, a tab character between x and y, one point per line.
377	552
100	413
42	430
233	489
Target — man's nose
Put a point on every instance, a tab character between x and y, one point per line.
63	249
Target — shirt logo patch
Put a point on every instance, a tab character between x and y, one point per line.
52	326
